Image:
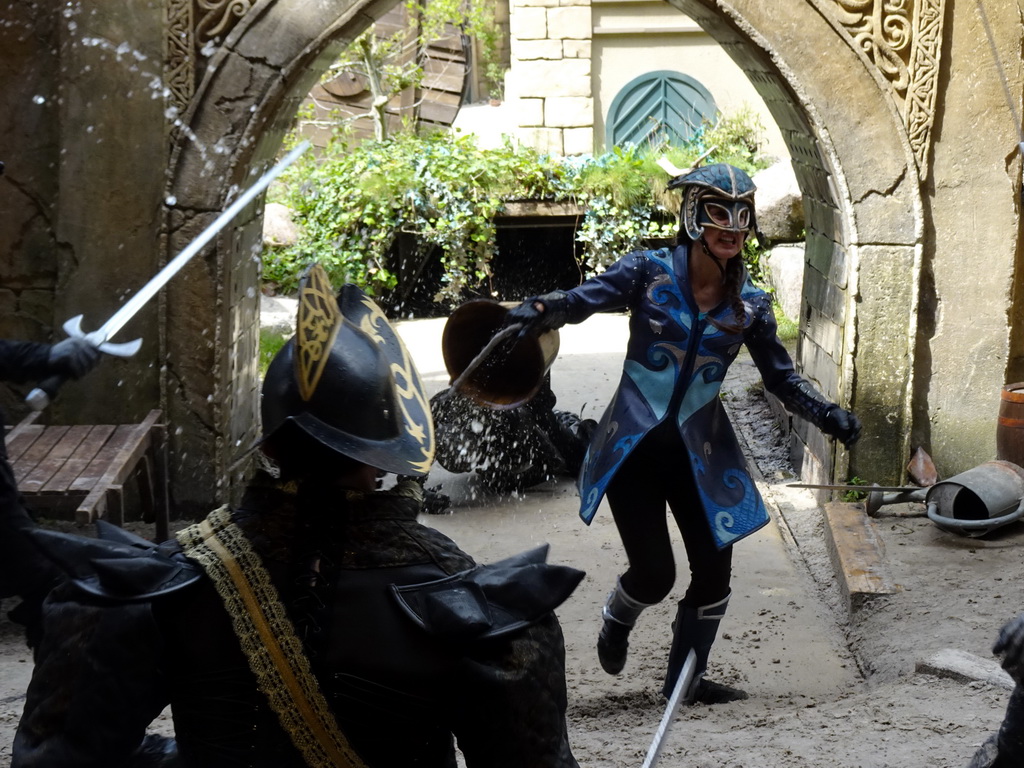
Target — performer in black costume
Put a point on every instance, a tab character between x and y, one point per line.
23	571
317	623
1005	748
509	449
665	438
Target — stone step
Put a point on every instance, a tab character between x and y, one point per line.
965	667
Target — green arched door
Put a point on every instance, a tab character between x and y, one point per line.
659	106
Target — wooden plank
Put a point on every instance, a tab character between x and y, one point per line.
15	430
120	467
37	451
86	451
443	81
438	113
444	67
20	438
96	468
54	460
857	553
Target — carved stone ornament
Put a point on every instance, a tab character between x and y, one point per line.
903	38
194	30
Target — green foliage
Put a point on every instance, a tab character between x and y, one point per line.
441	190
851	495
379	213
788	329
735	139
271	342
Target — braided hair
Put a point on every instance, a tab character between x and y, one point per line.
734	276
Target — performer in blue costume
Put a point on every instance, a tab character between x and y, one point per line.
665	437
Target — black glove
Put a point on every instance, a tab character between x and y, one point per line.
73	357
842	424
527	315
1011	645
550	314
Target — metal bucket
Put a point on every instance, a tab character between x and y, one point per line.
513	373
979	500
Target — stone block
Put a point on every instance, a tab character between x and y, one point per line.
578	141
825	333
528	50
542	139
786	273
571	22
780	210
821	369
279	228
965	667
568	111
536	3
528	24
541	78
37	306
529	112
577	49
824	295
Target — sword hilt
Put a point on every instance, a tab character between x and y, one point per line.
43	395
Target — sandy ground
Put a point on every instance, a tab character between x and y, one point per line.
829	687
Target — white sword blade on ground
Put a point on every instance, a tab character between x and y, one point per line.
39	398
682	683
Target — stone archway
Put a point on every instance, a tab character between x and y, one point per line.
856	211
864	216
234	124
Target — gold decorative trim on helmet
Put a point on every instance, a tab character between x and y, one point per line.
316	329
347	380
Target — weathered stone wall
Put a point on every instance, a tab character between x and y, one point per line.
85	141
969	324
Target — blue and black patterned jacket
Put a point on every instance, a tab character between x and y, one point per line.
676	360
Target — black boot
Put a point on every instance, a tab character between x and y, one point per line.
1005	748
619	614
696	628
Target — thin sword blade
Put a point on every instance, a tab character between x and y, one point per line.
682	683
150	289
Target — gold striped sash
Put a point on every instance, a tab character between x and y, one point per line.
268	639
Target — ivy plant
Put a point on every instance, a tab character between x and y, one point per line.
380	213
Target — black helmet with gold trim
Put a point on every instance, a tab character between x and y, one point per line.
347	381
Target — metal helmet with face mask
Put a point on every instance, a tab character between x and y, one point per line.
720	196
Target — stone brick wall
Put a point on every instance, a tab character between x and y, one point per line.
549	84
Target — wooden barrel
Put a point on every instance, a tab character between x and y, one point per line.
1010	426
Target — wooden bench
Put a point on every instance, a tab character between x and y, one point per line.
79	472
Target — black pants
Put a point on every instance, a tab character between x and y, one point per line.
657	473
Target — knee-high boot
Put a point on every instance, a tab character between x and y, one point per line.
1005	748
619	613
697	628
